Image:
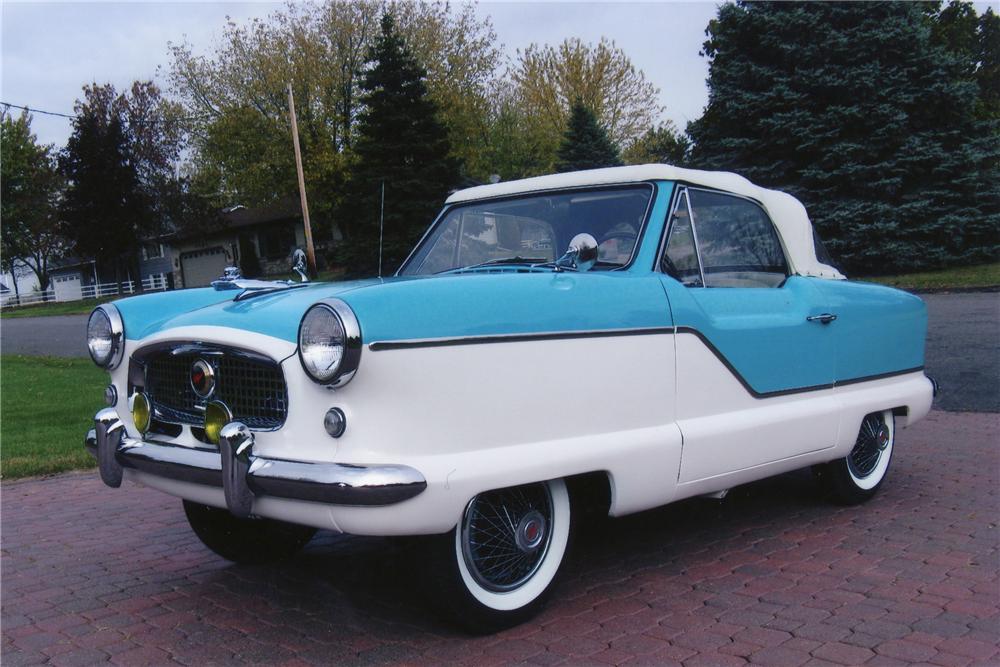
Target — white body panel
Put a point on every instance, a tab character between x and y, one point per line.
476	417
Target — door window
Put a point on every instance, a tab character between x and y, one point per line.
680	257
737	243
718	240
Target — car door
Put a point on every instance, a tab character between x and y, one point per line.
755	363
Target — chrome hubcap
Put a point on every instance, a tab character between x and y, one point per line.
873	439
530	532
505	535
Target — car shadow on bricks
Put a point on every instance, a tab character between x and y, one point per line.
370	584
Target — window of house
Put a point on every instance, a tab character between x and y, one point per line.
152	250
277	242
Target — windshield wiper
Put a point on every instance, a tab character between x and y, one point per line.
497	262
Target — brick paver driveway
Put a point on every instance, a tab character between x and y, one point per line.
772	575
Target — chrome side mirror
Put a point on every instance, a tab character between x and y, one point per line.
581	254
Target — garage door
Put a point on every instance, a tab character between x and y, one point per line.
67	288
201	267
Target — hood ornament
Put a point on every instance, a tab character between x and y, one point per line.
232	279
299	264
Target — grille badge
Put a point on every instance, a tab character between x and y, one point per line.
202	378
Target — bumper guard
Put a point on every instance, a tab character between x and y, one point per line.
244	476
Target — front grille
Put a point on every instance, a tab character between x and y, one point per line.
253	388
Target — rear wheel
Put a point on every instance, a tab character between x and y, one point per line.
496	567
858	477
249	541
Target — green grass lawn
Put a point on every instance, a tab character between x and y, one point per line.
983	275
46	406
54	308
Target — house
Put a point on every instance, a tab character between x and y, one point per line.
70	275
258	240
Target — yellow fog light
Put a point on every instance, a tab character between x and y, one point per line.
141	412
217	415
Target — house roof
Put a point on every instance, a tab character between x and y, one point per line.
241	216
787	212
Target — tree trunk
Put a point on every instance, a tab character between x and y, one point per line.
136	275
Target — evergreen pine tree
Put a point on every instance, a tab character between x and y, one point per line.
585	144
859	112
401	144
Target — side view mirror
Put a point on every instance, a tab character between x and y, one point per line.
581	253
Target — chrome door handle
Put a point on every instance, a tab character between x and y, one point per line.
825	318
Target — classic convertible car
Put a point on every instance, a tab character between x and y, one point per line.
628	336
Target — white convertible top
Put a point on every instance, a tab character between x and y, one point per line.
787	212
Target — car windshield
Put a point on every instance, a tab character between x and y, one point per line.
534	229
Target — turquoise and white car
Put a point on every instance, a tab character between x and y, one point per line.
622	337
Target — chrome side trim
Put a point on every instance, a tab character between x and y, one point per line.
332	483
516	338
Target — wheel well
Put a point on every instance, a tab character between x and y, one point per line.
590	493
900	411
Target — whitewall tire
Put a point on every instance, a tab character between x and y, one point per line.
858	476
495	568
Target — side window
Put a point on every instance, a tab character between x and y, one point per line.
737	243
680	258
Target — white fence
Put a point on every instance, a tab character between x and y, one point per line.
154	283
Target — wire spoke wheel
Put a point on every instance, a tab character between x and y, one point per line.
506	534
873	438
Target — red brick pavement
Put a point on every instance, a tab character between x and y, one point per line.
773	575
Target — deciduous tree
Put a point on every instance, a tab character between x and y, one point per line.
118	166
237	94
549	79
660	144
29	192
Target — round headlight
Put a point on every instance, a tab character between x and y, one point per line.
330	342
105	336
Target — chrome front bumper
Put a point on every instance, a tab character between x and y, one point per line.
244	476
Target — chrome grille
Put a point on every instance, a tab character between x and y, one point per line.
253	389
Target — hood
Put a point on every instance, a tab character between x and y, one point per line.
422	307
275	314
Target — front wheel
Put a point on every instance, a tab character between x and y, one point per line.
857	477
248	541
495	568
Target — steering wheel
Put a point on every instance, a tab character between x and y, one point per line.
629	237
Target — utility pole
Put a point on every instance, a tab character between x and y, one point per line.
310	250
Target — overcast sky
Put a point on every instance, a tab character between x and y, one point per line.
49	50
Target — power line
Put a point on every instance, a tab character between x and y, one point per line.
30	110
8	105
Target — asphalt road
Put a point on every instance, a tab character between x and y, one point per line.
963	350
57	336
963	346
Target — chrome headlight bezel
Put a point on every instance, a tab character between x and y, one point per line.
351	356
117	328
